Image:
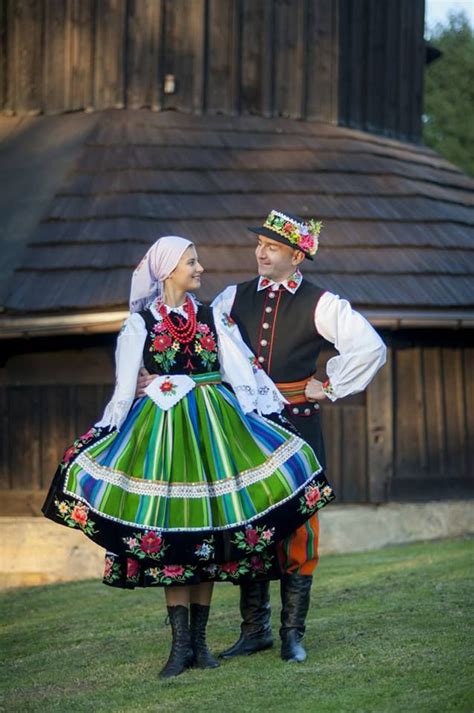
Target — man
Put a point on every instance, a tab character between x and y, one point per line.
285	320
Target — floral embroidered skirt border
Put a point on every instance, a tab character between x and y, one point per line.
201	492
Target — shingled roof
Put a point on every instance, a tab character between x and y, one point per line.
398	234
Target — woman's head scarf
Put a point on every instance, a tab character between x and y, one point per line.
158	263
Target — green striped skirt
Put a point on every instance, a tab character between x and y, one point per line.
188	494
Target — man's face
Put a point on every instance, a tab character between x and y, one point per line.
275	260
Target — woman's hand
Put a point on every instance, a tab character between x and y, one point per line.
144	379
314	390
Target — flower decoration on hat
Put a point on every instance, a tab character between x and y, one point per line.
302	235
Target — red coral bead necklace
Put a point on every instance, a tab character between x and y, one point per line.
183	334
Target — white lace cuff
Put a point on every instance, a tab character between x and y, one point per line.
128	359
115	413
253	388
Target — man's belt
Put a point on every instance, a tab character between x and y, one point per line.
294	393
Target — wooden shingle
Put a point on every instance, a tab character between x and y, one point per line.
398	219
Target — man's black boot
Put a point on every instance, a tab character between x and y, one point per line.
181	654
295	596
255	629
199	614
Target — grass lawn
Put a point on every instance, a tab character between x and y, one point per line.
387	631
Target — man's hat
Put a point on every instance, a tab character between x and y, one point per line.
293	231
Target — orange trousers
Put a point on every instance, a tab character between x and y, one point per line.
298	553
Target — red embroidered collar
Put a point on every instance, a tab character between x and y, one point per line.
291	284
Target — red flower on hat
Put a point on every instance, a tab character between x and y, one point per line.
306	242
288	227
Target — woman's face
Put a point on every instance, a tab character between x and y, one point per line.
187	274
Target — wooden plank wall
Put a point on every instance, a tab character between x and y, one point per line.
357	62
381	65
434	422
268	57
345	435
411	435
47	399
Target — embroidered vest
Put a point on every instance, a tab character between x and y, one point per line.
280	330
163	355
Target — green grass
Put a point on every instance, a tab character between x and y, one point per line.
387	631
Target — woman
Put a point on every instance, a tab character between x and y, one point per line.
190	484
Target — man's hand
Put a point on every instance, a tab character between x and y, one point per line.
144	379
314	390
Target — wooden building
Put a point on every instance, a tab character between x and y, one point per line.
354	62
229	108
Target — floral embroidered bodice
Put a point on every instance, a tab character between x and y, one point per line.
163	354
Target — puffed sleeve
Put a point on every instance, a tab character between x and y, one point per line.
128	359
225	300
253	388
361	351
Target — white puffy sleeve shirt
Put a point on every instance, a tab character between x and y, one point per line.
361	351
128	360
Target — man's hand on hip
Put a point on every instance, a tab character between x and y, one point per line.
314	390
144	379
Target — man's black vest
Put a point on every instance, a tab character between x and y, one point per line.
279	328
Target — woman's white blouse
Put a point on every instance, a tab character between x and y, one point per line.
128	360
253	388
361	351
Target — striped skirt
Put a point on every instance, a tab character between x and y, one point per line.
196	493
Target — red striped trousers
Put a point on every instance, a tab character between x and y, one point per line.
298	553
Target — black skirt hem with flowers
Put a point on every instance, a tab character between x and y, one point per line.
161	558
127	573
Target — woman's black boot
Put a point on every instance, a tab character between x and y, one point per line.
181	654
295	596
202	656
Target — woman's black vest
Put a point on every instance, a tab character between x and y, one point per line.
197	357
